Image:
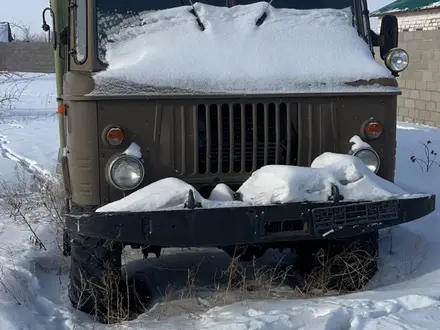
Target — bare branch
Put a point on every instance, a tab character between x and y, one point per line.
12	86
25	33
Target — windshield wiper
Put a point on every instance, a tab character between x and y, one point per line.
264	15
194	12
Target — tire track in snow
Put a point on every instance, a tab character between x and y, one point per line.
28	165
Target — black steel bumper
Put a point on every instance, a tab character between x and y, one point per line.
246	225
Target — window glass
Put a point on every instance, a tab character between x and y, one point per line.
81	31
111	13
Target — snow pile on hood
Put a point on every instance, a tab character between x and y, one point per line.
282	184
169	193
270	184
292	51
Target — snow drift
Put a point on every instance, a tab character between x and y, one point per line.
292	51
270	184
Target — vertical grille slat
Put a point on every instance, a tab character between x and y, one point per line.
242	137
183	140
310	131
196	141
220	138
231	138
266	133
277	134
254	137
289	135
208	138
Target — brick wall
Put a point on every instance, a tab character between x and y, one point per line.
419	35
423	20
26	57
420	83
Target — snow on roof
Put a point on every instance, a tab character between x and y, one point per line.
292	51
405	6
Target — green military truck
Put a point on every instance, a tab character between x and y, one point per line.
224	94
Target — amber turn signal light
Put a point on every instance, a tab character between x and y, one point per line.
115	136
372	130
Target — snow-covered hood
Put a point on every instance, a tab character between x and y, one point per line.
292	51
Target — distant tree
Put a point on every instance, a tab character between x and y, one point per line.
23	33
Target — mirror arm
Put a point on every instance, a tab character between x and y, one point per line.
378	40
46	27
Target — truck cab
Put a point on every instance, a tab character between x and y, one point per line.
210	93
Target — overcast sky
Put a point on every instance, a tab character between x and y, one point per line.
28	12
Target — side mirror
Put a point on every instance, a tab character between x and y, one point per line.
390	35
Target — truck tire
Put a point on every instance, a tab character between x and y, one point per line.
342	265
95	275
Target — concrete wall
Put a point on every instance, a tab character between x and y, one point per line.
26	57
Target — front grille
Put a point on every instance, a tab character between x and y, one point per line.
239	138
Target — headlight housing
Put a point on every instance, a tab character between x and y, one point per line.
125	172
369	157
397	60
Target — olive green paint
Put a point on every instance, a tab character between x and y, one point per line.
59	8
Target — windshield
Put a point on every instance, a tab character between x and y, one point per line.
111	13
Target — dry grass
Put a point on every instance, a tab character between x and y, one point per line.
115	298
332	275
28	193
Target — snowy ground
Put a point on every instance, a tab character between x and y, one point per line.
404	295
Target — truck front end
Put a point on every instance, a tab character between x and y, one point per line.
177	118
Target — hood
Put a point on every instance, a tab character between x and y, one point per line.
293	51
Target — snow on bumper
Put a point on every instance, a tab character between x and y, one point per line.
222	226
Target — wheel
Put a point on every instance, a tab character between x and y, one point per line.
342	265
245	253
95	276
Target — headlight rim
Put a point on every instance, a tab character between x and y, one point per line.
388	59
111	164
357	151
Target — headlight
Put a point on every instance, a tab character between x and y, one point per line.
125	172
397	60
369	157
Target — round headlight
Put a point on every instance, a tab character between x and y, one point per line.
370	158
126	172
397	60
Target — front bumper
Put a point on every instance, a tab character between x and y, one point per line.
249	224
